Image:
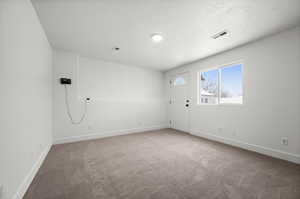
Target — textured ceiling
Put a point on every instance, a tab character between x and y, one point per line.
94	27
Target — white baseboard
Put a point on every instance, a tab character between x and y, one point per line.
106	134
28	179
251	147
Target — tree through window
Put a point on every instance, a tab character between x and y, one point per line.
221	86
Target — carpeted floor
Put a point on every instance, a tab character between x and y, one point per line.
165	164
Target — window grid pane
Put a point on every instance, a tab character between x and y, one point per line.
221	86
179	81
209	87
231	85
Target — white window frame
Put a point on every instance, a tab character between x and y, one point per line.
219	68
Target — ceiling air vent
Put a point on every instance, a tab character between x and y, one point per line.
220	34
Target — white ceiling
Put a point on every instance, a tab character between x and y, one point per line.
94	27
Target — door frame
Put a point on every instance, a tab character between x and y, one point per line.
171	77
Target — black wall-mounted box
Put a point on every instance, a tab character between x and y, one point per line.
65	81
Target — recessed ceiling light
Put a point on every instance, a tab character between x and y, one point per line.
116	48
156	38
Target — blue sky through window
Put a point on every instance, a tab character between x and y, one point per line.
231	80
210	81
179	81
231	84
211	75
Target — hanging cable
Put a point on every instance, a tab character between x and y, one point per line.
68	108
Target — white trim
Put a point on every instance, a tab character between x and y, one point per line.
219	69
188	95
251	147
106	134
29	177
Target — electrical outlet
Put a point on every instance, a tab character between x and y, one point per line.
284	141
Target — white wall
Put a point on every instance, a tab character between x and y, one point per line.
271	109
26	96
124	98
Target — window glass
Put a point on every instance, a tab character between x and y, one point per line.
222	85
179	81
231	85
209	87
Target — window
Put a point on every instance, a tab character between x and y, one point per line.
221	86
209	87
179	81
231	85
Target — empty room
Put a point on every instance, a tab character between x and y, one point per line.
150	99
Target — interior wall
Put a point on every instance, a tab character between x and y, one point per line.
271	109
124	99
26	96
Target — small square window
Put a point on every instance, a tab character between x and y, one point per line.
179	81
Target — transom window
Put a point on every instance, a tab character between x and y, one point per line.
179	81
221	86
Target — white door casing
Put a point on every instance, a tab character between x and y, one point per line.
179	102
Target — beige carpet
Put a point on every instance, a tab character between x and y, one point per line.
164	164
